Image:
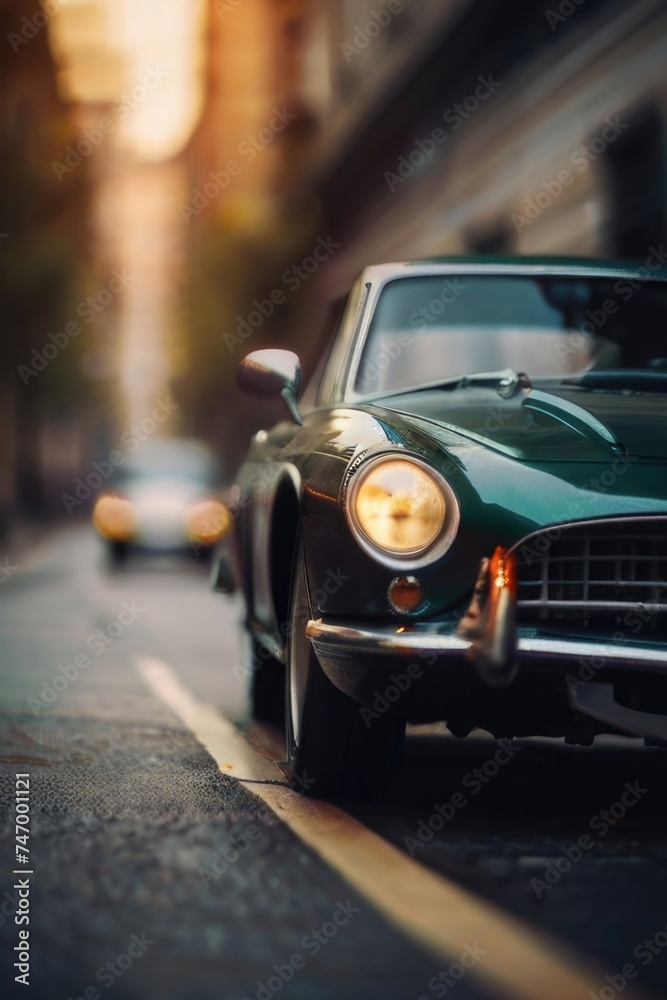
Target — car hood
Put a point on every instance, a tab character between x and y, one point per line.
552	422
512	467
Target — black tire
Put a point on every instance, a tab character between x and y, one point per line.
118	553
331	749
267	688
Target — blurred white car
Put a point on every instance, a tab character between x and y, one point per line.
162	500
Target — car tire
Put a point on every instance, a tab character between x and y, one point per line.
267	687
118	553
331	749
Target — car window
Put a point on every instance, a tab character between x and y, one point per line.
431	328
169	458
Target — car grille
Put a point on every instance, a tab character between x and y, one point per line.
612	571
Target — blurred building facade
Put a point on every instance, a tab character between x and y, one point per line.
98	101
512	128
252	137
44	276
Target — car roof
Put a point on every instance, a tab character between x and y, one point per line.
545	265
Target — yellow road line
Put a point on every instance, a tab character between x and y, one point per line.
230	750
437	914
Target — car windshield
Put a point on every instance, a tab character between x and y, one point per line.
169	458
432	328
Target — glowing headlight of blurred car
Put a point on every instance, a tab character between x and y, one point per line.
207	522
115	518
402	510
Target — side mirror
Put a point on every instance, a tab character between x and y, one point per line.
272	373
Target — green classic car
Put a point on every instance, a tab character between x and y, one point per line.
466	517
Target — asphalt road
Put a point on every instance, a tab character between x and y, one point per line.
155	875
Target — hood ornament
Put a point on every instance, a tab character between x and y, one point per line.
512	384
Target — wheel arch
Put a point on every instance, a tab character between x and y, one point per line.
285	517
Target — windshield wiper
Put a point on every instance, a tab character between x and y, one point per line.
507	383
633	379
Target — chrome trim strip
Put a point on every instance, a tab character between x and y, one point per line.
592	648
371	640
379	640
609	606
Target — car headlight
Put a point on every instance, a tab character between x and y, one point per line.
402	510
207	522
115	518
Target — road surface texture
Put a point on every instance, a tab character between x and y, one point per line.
154	872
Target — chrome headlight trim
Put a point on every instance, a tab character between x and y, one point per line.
417	558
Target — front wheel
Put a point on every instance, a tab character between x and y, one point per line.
267	687
332	750
117	553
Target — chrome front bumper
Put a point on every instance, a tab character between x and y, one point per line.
358	658
438	644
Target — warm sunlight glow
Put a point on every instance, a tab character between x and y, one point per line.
144	58
162	43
